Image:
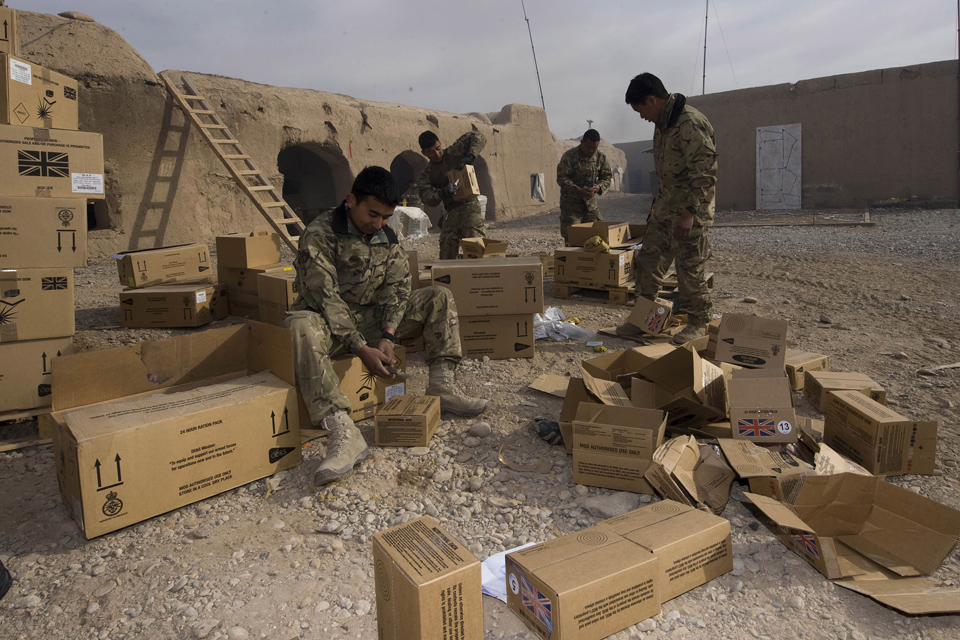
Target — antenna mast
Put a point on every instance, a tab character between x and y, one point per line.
706	15
535	55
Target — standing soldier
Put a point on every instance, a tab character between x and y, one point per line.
685	157
463	219
583	174
355	297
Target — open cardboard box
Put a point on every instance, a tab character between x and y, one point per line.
818	384
612	446
752	341
483	248
691	473
687	387
619	367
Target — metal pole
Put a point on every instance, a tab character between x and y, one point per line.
706	15
958	104
535	55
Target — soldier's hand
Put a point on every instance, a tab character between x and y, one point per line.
683	225
467	158
386	348
448	190
585	192
373	359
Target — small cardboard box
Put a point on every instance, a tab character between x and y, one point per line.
818	384
34	96
243	305
877	438
276	292
491	287
42	232
407	421
25	372
36	304
612	446
761	406
366	391
613	233
574	265
800	362
650	316
466	182
51	163
497	337
687	387
691	473
244	250
483	248
166	265
173	305
244	280
9	38
428	585
752	341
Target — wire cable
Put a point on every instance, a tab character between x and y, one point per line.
717	16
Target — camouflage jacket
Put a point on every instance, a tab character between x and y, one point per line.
434	175
340	271
685	157
576	171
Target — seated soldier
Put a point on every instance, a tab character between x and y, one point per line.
355	297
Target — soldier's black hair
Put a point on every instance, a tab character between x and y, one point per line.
644	85
378	183
592	135
428	139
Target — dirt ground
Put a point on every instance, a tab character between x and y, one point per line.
291	561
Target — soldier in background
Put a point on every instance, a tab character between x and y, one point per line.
355	297
583	174
411	197
463	219
685	157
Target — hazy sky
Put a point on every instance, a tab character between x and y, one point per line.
459	56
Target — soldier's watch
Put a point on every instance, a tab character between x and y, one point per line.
387	336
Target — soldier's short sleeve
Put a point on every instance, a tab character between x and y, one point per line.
700	163
425	189
395	291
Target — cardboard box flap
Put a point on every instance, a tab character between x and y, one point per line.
704	478
620	416
607	391
912	596
750	460
423	550
780	513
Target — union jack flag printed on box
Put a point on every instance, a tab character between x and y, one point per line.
537	603
43	164
756	428
653	322
804	539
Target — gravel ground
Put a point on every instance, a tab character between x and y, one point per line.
292	561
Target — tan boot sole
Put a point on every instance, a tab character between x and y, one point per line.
326	476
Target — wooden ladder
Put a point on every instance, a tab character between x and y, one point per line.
241	166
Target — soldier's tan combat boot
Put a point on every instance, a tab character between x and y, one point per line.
692	331
345	448
442	383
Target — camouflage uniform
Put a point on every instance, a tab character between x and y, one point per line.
353	288
412	198
575	171
463	219
685	157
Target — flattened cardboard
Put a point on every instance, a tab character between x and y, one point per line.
912	596
166	265
750	460
651	316
36	304
613	233
25	372
51	163
245	280
407	421
244	305
34	96
466	182
428	585
612	446
276	292
497	337
366	391
574	265
9	37
125	461
687	387
752	341
42	232
761	406
552	384
483	248
494	286
800	362
245	250
877	438
817	384
173	305
690	473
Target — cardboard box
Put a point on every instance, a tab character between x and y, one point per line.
818	384
548	263
612	446
244	280
613	233
42	232
413	263
243	305
244	250
34	96
576	393
691	473
166	265
497	337
428	585
688	388
877	438
25	372
495	286
276	292
407	421
621	366
651	316
51	163
9	38
173	305
751	341
799	362
366	391
483	248
574	265
761	406
36	304
750	460
466	181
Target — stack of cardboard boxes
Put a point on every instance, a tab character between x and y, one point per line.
241	259
48	171
579	267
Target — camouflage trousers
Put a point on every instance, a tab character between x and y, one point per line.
691	257
431	308
465	221
574	210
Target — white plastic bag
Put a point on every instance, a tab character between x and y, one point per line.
551	325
